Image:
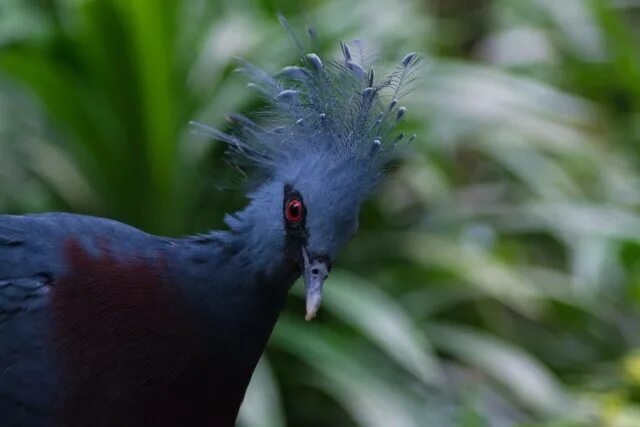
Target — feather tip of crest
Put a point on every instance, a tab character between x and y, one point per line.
316	106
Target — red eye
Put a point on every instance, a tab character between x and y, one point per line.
294	211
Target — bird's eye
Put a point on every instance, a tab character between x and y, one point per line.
294	211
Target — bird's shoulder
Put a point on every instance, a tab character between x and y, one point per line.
38	250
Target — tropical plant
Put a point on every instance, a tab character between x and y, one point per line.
495	279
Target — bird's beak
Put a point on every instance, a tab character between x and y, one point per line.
316	270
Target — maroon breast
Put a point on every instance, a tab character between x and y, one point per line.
127	349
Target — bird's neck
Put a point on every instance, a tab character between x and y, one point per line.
238	278
223	268
234	284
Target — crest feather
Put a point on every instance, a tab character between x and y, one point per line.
321	106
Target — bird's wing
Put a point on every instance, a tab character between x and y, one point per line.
30	246
22	295
25	268
26	383
25	376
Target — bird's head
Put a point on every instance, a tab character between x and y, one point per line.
318	151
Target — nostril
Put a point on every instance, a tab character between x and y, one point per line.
315	271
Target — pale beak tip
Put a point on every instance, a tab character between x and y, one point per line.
313	306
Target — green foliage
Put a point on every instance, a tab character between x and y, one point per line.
495	280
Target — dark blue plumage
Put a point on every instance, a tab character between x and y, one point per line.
230	303
103	324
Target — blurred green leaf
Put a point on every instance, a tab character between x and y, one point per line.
528	379
509	229
262	406
371	401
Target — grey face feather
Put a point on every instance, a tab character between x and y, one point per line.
327	134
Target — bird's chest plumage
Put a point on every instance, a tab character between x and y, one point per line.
131	353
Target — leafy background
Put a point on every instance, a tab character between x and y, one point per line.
511	294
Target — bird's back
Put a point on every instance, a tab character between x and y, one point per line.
34	244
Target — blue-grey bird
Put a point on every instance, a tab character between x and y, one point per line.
102	324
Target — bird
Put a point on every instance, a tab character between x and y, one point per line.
102	323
